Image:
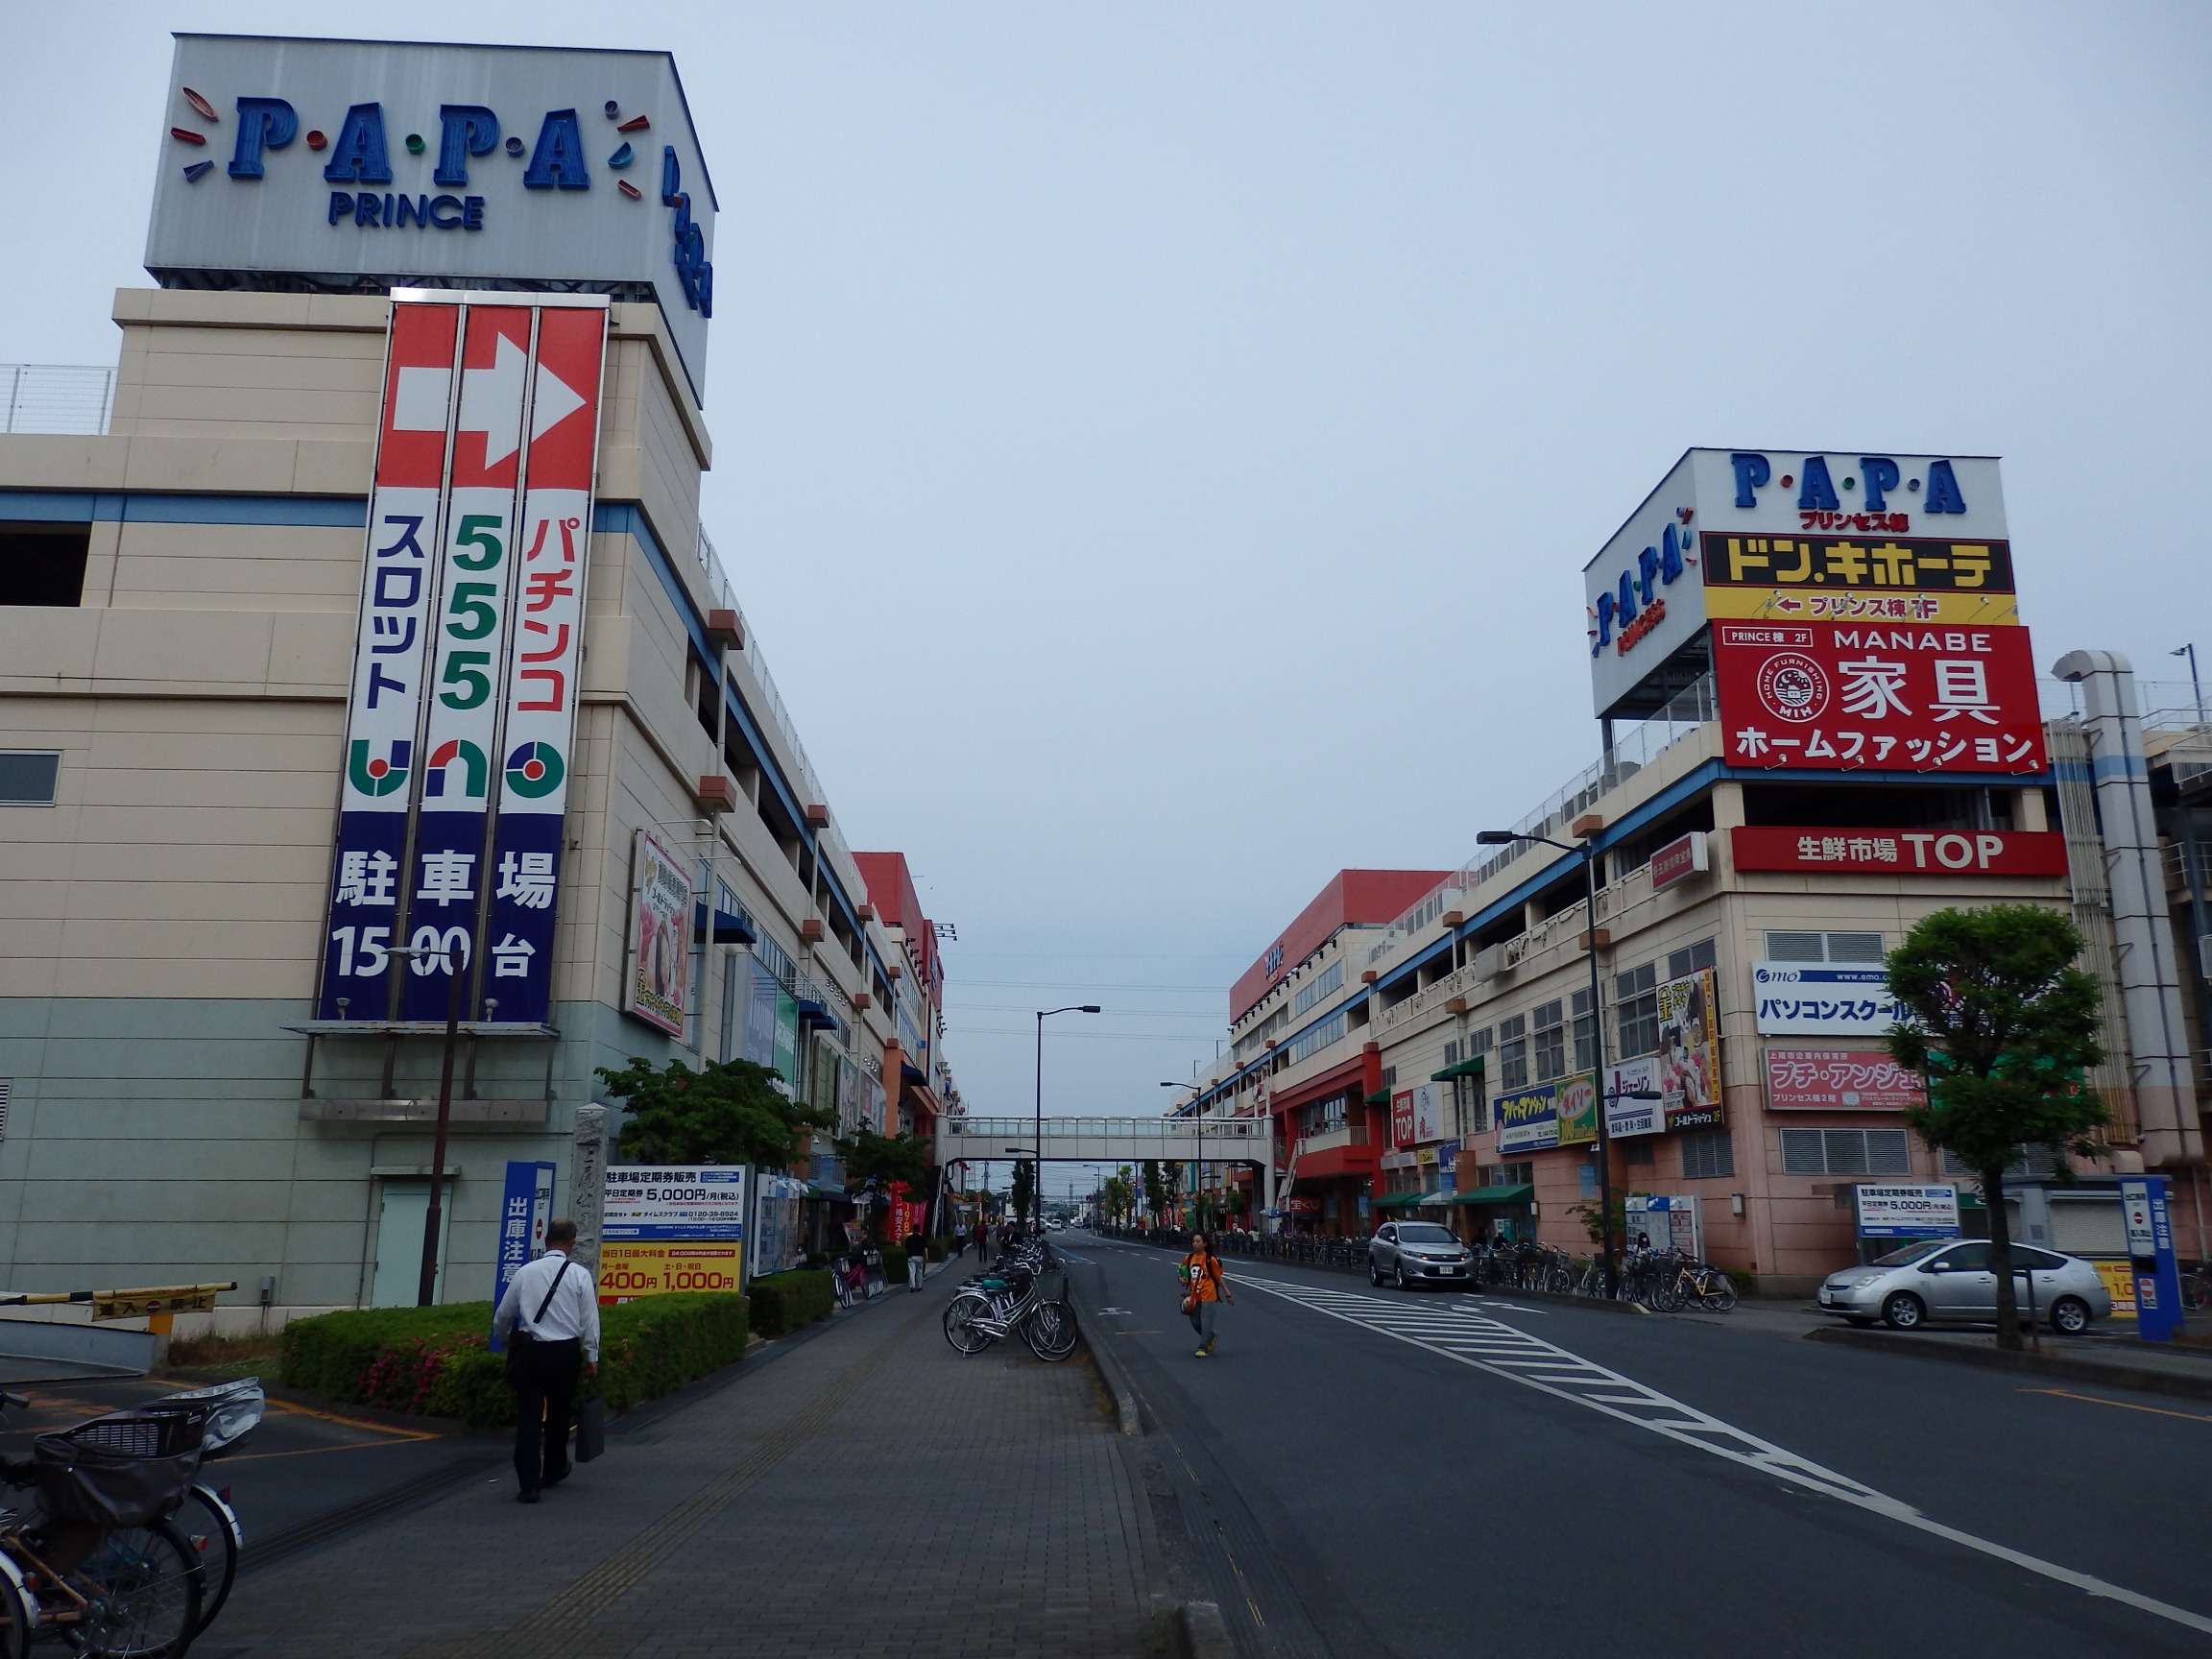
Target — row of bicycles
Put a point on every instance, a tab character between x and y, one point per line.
1024	1293
123	1550
1664	1281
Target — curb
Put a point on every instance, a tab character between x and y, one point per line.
1200	1632
1111	1376
2141	1379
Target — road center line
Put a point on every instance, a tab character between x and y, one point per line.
1635	1403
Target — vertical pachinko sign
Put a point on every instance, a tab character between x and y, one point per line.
547	651
464	698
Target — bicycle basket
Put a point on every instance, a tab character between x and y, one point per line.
126	1469
233	1410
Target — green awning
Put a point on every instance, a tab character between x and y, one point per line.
1407	1200
1381	1098
1519	1195
1465	1069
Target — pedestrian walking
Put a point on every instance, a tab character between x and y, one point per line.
917	1259
548	1323
983	1244
1204	1289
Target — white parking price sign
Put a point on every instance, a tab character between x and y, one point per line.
693	1203
1908	1210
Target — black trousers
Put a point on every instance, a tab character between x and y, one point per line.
545	1400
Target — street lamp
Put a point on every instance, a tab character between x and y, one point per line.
2196	686
1588	851
1036	1202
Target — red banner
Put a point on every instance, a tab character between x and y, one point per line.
1839	1080
1829	696
1401	1118
1899	852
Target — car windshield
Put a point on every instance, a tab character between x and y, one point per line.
1912	1253
1424	1232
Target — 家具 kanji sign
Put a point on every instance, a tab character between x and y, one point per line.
1899	852
489	425
1817	999
1900	699
1839	1080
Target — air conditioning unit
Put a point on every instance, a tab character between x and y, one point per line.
1489	962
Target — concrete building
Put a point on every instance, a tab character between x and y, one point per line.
1744	902
190	1093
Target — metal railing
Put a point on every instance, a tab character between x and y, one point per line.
1016	1131
63	399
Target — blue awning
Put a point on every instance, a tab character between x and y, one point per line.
731	926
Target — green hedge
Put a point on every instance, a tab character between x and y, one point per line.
437	1361
895	1267
783	1302
940	1247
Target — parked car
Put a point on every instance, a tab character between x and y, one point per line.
1951	1281
1407	1252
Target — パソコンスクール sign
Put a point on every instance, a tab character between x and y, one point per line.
1815	1000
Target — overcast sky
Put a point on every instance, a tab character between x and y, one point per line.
1158	444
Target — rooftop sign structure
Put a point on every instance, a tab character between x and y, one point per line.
349	166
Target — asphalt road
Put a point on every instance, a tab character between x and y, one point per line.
1364	1473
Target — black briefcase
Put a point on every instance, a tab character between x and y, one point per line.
590	1428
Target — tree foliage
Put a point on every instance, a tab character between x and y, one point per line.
727	1111
2003	1027
1023	1197
884	1158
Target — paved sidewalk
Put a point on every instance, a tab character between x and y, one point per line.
867	1491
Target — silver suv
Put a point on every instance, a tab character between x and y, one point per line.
1409	1252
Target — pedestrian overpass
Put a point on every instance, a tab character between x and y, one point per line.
1107	1139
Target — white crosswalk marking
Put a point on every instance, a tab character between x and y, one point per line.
1474	1338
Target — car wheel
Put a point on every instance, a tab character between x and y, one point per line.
1374	1273
2069	1314
1903	1310
1401	1278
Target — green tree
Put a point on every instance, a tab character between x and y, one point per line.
1155	1189
1117	1198
1586	1212
2003	1027
1024	1193
1173	1171
724	1112
884	1158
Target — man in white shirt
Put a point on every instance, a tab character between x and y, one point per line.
551	1309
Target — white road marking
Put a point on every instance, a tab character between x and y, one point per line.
1489	1345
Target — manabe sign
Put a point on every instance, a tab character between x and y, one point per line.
1840	535
352	165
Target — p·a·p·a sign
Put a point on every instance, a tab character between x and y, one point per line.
364	165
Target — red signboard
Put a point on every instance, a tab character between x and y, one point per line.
1678	860
1839	1080
1832	696
1401	1129
1899	852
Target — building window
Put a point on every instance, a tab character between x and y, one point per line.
1585	1034
1470	1112
1331	981
1709	1153
1313	1041
1845	1152
43	566
1523	1174
1680	963
1389	1077
1640	1151
1824	948
1478	1041
27	778
1551	1041
1636	1010
1513	1052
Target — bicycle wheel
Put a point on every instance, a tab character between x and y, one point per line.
1050	1331
961	1330
2196	1290
144	1589
1666	1295
18	1616
1720	1293
211	1525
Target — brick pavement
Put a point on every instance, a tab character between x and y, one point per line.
868	1492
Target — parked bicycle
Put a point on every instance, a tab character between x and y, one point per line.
126	1553
1012	1297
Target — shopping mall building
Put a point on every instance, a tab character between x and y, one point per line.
363	664
1819	721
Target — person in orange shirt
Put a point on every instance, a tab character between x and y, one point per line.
1204	1289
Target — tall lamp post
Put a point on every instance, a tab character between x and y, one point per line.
1035	1187
2195	685
1588	852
